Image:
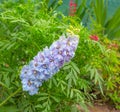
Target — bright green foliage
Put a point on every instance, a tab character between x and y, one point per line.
100	8
112	72
110	26
26	28
113	25
81	9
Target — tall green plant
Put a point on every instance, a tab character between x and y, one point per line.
113	25
83	11
110	26
100	11
26	29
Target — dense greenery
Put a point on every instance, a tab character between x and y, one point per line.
94	14
26	28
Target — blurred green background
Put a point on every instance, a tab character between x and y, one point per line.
112	6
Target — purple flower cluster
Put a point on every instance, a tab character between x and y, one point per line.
48	62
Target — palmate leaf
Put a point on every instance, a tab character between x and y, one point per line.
72	76
84	85
75	67
96	76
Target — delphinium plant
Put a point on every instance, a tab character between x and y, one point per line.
47	63
27	28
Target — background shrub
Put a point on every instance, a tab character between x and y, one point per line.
26	28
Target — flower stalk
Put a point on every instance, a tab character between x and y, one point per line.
13	94
47	63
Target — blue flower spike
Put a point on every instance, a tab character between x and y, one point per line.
47	63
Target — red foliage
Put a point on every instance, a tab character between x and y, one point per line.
113	45
94	37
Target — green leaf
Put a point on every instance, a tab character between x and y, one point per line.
71	93
39	106
56	99
3	85
42	98
74	108
92	73
69	76
75	67
42	94
9	109
66	67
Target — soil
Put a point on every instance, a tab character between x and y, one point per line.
99	108
102	108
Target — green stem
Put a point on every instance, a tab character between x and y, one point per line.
1	104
